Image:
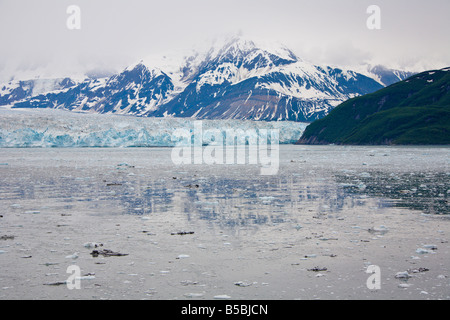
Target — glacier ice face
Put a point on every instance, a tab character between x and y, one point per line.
21	128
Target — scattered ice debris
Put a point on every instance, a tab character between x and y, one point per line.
183	256
320	275
423	251
148	232
222	297
192	186
2	251
72	256
182	233
47	264
268	198
86	277
58	283
311	255
188	282
402	275
317	269
32	212
430	246
404	285
361	186
91	245
298	227
194	295
328	239
380	230
418	270
125	165
107	253
242	284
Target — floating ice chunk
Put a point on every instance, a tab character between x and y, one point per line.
194	295
423	251
365	175
361	186
381	229
72	256
89	277
269	198
183	256
222	297
90	245
402	275
242	284
319	275
32	212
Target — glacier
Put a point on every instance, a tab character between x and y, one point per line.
47	128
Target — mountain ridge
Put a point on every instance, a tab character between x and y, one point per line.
239	80
413	111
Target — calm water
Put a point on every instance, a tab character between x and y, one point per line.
267	231
145	182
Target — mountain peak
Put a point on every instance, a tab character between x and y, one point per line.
239	43
244	53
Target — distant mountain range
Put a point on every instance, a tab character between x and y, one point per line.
413	111
239	79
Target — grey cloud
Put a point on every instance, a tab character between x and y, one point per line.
115	33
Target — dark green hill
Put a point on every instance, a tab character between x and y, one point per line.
413	111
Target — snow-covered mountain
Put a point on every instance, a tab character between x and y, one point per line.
239	79
383	75
17	90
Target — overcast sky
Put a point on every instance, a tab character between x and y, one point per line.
34	37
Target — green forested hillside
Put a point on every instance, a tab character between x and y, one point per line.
413	111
